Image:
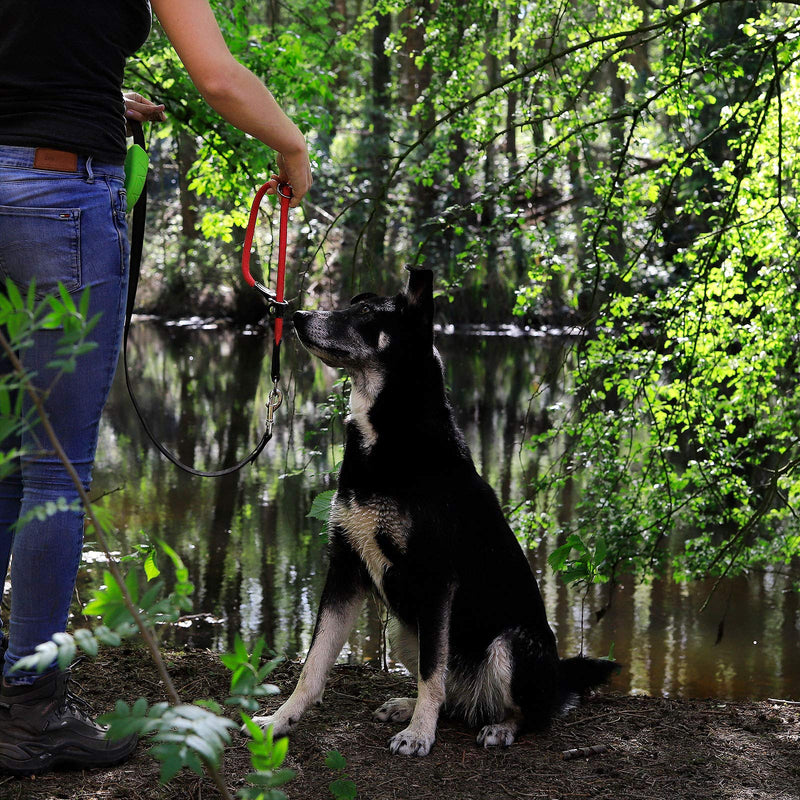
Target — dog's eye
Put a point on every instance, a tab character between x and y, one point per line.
364	311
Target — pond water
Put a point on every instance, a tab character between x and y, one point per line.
258	561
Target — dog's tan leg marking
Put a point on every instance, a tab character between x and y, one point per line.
418	738
333	627
398	709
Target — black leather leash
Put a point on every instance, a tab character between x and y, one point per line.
136	245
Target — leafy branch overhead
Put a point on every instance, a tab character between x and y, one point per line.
621	171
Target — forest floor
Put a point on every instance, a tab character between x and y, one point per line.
653	748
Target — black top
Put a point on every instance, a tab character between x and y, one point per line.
61	72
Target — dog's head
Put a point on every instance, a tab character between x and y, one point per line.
373	330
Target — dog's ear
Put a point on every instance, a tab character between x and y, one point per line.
363	296
419	291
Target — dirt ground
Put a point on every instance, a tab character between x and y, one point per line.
653	748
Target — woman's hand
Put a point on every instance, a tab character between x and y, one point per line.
293	168
141	109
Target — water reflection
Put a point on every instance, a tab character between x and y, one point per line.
258	561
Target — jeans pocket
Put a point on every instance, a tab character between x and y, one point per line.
41	245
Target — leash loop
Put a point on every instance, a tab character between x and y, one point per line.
275	300
276	303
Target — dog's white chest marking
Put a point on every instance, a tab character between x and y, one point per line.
362	523
366	388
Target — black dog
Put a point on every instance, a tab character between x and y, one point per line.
413	521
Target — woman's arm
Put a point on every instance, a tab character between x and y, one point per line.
231	89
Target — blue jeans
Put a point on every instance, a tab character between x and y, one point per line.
66	227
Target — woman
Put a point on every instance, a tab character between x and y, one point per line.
62	220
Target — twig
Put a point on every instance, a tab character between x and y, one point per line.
783	702
584	720
584	752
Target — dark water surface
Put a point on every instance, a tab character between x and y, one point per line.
258	561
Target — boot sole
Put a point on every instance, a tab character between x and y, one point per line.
64	759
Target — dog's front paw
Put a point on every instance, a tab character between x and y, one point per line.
282	725
411	743
500	735
398	709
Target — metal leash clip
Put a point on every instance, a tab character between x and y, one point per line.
276	308
274	402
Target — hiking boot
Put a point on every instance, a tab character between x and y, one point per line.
44	725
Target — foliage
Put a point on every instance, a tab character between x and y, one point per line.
195	735
110	603
20	317
585	567
248	675
684	404
185	735
267	757
620	168
192	736
321	506
342	788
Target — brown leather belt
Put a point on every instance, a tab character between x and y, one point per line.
55	160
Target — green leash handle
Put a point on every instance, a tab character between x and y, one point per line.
136	163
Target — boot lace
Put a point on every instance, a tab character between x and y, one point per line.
76	706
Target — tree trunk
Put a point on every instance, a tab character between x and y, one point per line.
416	83
187	153
379	153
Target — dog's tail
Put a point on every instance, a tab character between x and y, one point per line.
581	674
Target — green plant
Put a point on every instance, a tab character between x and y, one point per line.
321	507
342	788
185	735
586	566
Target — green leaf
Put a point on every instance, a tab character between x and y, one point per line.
212	705
255	730
204	748
14	296
600	552
270	779
279	751
343	789
558	558
151	569
335	760
46	653
86	641
66	649
108	637
321	506
171	762
66	299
